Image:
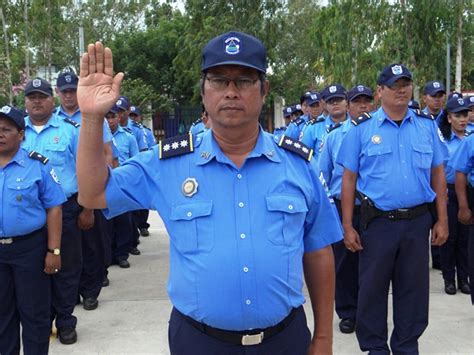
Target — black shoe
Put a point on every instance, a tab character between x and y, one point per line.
124	264
90	303
464	287
105	282
134	251
449	287
67	335
144	232
347	325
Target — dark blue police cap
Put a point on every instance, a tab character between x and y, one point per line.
38	85
235	48
359	90
114	109
391	73
66	81
414	104
433	87
296	108
313	98
287	111
470	101
457	105
135	110
454	94
122	103
332	91
14	115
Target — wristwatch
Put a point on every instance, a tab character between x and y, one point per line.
55	251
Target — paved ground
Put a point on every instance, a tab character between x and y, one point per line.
132	317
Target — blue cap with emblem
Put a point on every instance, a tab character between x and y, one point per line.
414	104
433	87
14	115
332	91
391	73
38	85
313	98
67	80
235	48
114	109
454	94
470	101
134	110
122	103
457	105
359	90
296	108
287	111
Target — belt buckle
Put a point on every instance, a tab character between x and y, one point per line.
254	339
6	240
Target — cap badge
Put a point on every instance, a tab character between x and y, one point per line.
189	187
314	97
6	109
397	70
471	98
298	106
360	88
376	139
119	102
68	78
332	89
436	85
36	83
461	101
288	109
232	45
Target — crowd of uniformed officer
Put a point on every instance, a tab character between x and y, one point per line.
386	168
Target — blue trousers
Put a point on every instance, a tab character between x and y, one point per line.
25	295
185	339
394	252
65	284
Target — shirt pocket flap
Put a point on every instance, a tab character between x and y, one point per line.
55	147
286	203
378	150
19	185
422	148
189	211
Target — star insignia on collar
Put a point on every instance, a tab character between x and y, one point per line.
183	143
174	145
166	147
297	145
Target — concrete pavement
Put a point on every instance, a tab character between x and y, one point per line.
133	312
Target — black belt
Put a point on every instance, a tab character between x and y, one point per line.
451	186
246	337
339	206
404	213
10	240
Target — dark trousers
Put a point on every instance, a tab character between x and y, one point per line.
470	253
454	251
137	218
141	218
185	339
94	251
25	295
65	284
122	230
396	252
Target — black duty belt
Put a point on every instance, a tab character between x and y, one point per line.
250	337
10	240
339	206
404	213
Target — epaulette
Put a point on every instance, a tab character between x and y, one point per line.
298	121
148	128
175	146
128	130
423	114
332	128
137	124
199	120
316	120
468	133
38	156
362	118
74	123
296	147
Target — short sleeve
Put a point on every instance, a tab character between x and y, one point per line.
348	155
462	157
51	192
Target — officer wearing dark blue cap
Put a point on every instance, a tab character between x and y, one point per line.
238	248
29	252
434	96
394	159
124	106
414	104
470	114
280	131
361	99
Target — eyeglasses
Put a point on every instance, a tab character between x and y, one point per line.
220	83
400	85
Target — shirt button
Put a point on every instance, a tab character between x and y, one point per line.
290	207
246	269
241	204
247	302
189	214
239	176
242	236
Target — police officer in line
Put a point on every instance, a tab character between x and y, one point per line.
92	223
56	138
297	122
29	251
238	248
414	104
280	131
361	99
136	128
201	124
434	97
314	111
394	159
454	264
470	114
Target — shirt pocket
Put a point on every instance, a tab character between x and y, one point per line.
22	196
286	216
379	158
422	156
56	153
192	228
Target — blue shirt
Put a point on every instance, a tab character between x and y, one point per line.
463	158
125	143
58	142
313	136
150	138
295	126
236	246
137	131
27	189
437	117
453	144
394	163
197	127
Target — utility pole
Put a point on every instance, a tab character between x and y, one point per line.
448	64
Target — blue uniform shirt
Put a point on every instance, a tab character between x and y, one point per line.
58	142
236	245
314	134
437	117
125	143
463	158
453	144
137	131
27	188
150	138
197	128
394	163
295	126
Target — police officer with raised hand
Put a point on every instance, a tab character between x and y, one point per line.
56	138
434	96
29	251
394	159
238	248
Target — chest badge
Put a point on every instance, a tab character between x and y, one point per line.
56	140
189	187
376	139
19	198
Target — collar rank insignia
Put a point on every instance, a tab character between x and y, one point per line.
74	123
420	113
38	156
296	147
175	146
128	130
316	120
199	120
297	121
362	118
468	133
332	128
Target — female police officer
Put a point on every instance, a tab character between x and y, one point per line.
30	196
